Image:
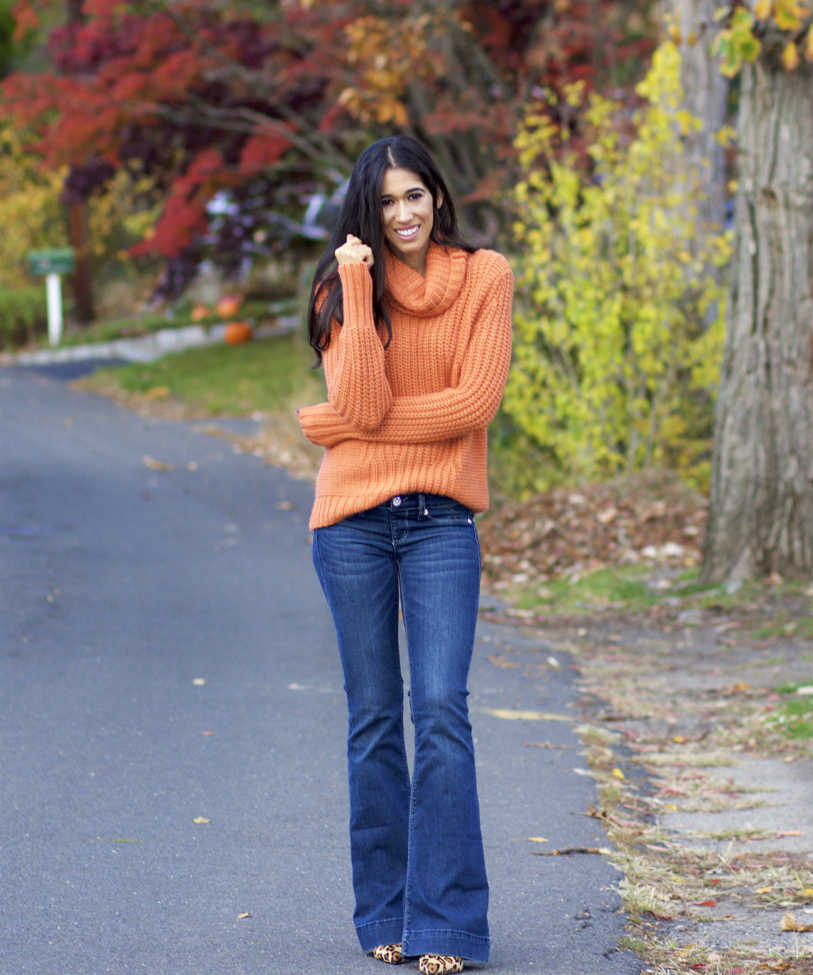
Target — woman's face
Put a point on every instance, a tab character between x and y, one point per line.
407	212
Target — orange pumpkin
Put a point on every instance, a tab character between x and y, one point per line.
229	305
199	312
237	332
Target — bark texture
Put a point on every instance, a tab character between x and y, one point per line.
761	506
706	91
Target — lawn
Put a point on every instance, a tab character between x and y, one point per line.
264	376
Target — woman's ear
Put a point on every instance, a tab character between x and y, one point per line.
439	201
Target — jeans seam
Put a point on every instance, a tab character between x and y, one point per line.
407	904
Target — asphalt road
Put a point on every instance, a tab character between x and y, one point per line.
167	657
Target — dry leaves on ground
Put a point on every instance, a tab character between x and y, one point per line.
789	923
650	518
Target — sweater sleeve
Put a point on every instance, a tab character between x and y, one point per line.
357	385
450	413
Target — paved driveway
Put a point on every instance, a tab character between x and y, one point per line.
173	723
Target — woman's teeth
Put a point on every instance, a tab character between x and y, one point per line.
406	234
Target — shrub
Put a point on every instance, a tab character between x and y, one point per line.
619	327
23	314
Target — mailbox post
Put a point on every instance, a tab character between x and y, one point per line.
52	263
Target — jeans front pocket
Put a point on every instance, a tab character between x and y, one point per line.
447	511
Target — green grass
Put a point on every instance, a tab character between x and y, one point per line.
613	587
795	718
226	380
786	625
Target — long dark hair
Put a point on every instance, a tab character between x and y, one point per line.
361	216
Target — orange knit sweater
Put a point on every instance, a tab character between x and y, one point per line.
412	417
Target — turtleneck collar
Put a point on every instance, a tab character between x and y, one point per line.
426	297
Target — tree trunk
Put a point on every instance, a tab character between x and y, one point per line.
80	241
761	509
706	93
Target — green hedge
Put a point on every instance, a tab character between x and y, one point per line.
23	314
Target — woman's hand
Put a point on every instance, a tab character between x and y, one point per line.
353	251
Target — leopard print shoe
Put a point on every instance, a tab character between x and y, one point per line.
391	954
440	964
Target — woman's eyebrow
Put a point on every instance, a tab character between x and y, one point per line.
415	189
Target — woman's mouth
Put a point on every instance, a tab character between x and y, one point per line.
408	233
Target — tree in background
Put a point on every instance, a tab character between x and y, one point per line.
263	107
761	504
615	284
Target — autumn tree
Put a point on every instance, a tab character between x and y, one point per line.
761	506
270	103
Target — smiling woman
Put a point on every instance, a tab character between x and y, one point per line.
407	213
414	326
395	186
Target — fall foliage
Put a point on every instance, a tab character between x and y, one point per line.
270	103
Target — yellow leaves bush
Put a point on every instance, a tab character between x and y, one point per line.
30	212
738	41
619	327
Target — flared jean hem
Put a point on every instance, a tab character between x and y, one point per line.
383	932
434	941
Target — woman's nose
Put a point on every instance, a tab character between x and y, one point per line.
404	212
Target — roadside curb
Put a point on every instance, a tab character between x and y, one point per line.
146	348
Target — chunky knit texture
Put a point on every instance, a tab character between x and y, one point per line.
412	417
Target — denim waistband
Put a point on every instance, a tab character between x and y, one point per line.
419	502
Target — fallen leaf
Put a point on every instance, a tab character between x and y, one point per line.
806	891
553	662
617	773
789	832
807	689
243	915
68	421
157	465
508	715
200	819
763	890
192	465
660	917
502	662
208	732
530	839
680	739
198	680
739	687
285	505
544	744
157	392
570	850
714	957
789	923
705	903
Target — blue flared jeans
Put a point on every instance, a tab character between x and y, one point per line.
417	853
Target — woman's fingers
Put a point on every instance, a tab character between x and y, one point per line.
353	251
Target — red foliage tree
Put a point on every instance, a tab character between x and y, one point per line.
279	97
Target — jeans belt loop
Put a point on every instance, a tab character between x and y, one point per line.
421	506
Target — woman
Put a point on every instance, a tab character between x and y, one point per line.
413	326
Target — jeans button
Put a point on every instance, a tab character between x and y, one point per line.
396	501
